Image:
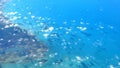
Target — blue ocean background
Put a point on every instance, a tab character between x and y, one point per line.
78	33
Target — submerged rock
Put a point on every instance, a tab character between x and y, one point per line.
17	45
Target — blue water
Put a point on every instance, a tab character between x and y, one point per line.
78	33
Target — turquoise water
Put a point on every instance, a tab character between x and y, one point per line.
77	33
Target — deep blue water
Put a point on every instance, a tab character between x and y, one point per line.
78	33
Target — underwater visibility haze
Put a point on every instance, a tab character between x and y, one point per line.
59	34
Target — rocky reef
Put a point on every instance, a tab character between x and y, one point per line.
17	45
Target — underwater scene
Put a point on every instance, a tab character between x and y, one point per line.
59	34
